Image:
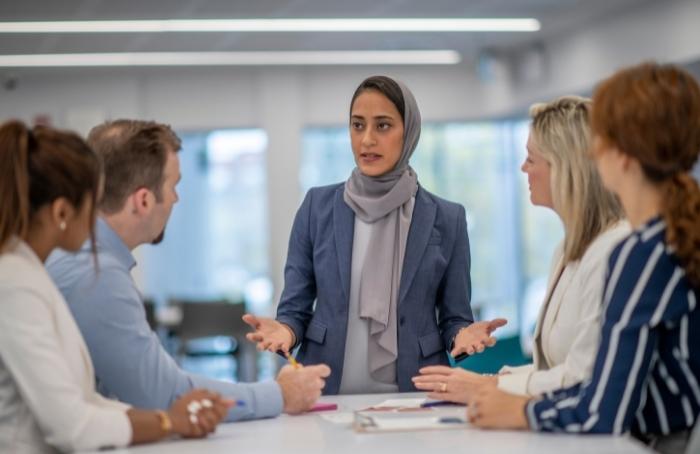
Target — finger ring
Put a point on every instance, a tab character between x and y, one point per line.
443	388
194	407
206	403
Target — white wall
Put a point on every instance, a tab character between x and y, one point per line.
284	100
667	31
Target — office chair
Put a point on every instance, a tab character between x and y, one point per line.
209	319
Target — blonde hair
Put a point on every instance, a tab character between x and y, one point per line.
561	131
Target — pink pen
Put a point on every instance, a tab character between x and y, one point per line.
320	406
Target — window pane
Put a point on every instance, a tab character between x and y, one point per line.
471	163
216	241
326	157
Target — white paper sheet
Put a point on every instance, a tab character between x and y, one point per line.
401	403
345	418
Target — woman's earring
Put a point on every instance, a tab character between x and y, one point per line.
62	225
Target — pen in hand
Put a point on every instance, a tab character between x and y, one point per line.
295	364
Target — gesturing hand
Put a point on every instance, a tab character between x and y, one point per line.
269	334
476	337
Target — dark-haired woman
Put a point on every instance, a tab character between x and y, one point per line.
49	184
646	377
385	262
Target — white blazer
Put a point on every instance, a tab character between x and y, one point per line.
47	385
567	333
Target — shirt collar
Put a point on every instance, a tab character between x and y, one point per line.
651	228
651	223
21	247
108	240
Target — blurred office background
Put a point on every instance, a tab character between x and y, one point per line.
257	137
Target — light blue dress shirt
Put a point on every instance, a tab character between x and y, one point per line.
130	363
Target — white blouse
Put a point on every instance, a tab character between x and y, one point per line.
47	385
567	333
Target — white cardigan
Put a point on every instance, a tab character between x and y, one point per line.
567	333
47	385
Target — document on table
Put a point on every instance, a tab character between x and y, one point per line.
400	403
407	414
423	419
347	418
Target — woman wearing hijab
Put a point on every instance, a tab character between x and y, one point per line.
385	262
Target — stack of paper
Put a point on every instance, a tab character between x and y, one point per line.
408	414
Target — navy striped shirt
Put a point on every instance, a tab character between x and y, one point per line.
647	369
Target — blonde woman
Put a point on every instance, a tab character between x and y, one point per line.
562	178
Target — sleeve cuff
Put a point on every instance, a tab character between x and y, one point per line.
450	336
515	383
109	428
113	403
269	401
530	415
261	399
296	328
125	431
517	369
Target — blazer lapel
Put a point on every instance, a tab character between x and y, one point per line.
418	235
344	228
555	303
539	360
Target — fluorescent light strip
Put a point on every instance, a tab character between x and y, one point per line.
402	57
276	25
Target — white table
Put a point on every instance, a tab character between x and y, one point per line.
311	434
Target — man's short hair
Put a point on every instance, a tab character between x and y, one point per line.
134	153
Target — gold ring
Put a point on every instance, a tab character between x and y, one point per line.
443	389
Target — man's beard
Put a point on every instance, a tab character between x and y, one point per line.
159	238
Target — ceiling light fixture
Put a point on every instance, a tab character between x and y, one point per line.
277	25
400	57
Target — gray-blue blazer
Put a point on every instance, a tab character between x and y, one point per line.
434	292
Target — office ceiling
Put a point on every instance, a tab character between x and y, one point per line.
557	17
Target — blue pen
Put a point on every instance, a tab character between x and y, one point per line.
451	420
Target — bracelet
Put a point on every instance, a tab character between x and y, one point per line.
166	425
